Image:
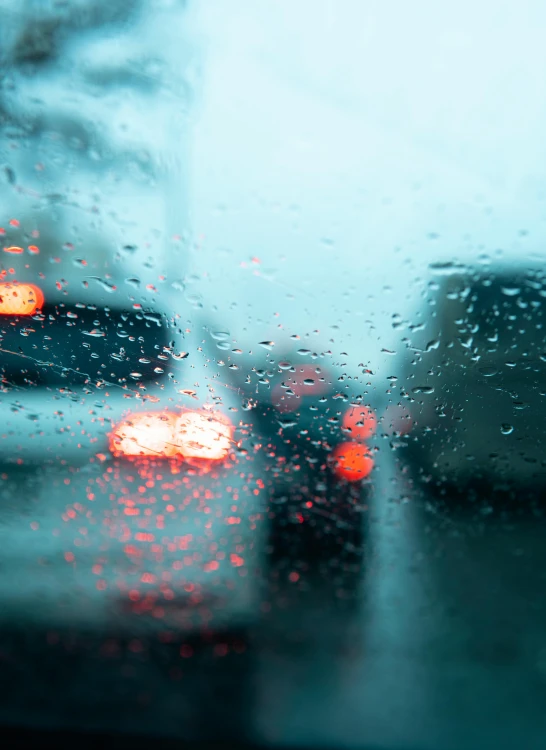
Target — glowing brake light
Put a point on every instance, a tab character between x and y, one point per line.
352	461
199	435
20	299
192	434
360	422
148	434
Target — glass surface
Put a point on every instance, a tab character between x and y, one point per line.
272	359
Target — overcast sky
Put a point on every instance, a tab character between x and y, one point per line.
345	144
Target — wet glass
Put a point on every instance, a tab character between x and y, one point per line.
272	362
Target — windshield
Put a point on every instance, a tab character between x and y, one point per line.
272	358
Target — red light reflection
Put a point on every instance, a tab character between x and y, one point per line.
191	434
360	422
352	461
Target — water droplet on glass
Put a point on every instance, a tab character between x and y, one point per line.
446	269
267	345
488	372
106	285
94	332
506	428
423	389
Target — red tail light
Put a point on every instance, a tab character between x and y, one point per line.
352	461
360	422
20	299
202	435
148	434
191	434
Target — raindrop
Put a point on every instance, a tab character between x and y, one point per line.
9	174
267	345
506	428
308	381
511	291
95	332
446	269
304	351
427	389
287	422
488	372
106	285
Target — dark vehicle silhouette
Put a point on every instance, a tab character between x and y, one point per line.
472	380
315	425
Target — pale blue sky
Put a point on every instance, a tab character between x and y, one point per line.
348	143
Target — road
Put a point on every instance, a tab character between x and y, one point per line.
435	641
447	649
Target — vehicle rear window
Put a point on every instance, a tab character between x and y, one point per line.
78	345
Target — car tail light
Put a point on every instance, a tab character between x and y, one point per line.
148	434
200	435
20	299
352	461
191	434
360	422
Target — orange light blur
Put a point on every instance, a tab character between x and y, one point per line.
147	434
20	299
360	421
352	461
192	434
202	435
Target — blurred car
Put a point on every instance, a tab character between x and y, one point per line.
471	400
315	424
128	501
